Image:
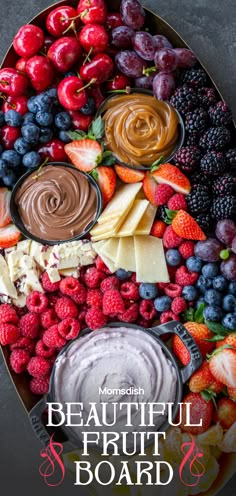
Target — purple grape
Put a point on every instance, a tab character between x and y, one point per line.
225	231
132	13
165	59
234	245
130	64
208	250
121	37
161	41
143	44
144	82
185	57
163	85
228	268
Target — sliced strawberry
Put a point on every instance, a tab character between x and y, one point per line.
150	188
106	179
129	175
5	217
9	236
223	366
170	174
85	154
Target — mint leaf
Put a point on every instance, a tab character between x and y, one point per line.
217	328
96	129
76	135
188	315
198	317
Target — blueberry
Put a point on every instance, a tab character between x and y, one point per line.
200	301
32	105
30	133
46	134
123	274
62	120
148	291
13	118
44	118
213	313
51	92
213	297
1	149
31	160
89	107
63	136
194	264
10	179
28	118
43	102
220	283
229	321
232	288
2	118
229	303
21	146
12	158
203	283
190	293
162	303
68	74
210	270
173	257
3	168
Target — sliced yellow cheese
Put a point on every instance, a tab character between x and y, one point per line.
145	224
109	249
121	202
107	261
133	218
105	236
150	260
125	258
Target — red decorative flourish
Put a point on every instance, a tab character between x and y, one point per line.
47	468
191	457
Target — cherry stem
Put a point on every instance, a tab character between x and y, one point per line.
93	80
40	168
149	70
87	58
2	81
4	97
71	26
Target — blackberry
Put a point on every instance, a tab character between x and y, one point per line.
215	138
198	200
184	99
224	207
206	96
161	213
220	114
230	156
196	121
188	158
191	139
198	178
195	77
204	221
213	163
223	185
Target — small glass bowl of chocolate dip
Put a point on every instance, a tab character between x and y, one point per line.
55	204
139	129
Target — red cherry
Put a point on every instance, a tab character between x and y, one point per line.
28	40
61	20
71	93
18	103
40	72
12	82
96	93
119	82
54	150
20	64
94	38
100	68
79	120
113	20
8	136
64	53
92	11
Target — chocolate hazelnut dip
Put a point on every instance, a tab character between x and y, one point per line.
57	203
139	129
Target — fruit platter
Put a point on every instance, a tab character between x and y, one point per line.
118	205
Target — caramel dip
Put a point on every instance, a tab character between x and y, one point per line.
57	203
139	129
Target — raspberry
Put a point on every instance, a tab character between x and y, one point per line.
93	277
23	343
112	303
186	249
129	291
70	286
168	316
39	385
173	290
80	297
133	278
158	228
42	350
52	338
29	325
48	286
143	323
94	297
111	282
81	316
131	314
36	302
69	328
8	334
147	309
178	305
163	193
184	277
19	360
170	239
8	314
95	318
101	266
38	366
177	202
52	299
65	307
48	318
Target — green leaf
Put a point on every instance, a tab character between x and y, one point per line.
217	328
96	129
215	338
94	174
157	163
76	135
198	316
109	160
188	315
207	395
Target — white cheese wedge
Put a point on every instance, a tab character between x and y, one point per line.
53	275
133	218
145	224
109	249
150	260
121	202
107	261
6	286
125	258
74	272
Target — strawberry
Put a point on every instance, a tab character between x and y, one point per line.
158	228
223	366
230	339
203	379
5	217
9	236
84	154
170	174
106	179
149	188
225	412
185	226
232	393
201	411
129	175
200	333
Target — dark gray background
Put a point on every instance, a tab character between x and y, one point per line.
209	27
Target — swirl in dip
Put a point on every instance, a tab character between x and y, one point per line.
114	358
57	203
139	129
